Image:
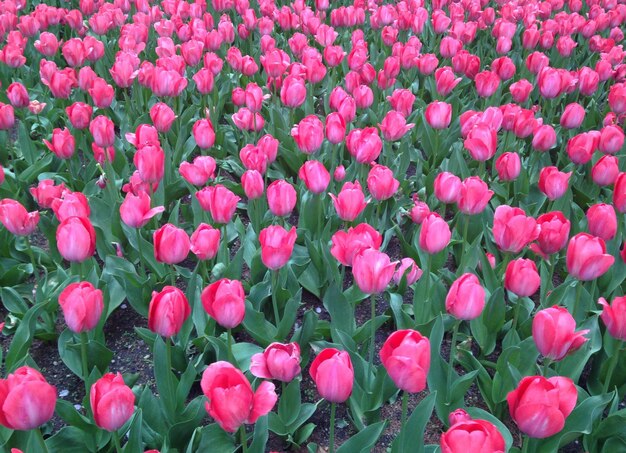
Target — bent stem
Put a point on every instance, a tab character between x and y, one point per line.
244	439
455	332
331	439
274	298
116	441
612	366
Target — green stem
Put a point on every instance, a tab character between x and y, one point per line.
455	332
244	440
168	357
525	444
612	365
465	228
518	304
230	346
579	288
116	441
405	410
343	276
546	367
331	439
139	250
372	329
31	255
274	298
41	440
173	276
83	357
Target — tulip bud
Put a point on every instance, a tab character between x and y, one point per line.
112	402
333	375
168	311
466	298
82	306
278	361
225	302
171	244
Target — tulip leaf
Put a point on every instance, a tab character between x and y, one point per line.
214	438
69	414
261	434
573	365
23	337
69	439
188	420
134	442
98	355
166	382
363	441
340	310
411	437
257	326
289	403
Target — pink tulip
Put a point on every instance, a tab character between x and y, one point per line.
225	301
435	234
512	229
205	242
76	239
16	219
372	271
466	297
521	277
554	333
406	357
333	375
135	210
614	316
219	201
381	182
350	202
82	306
27	401
171	244
276	246
112	402
587	258
278	361
281	198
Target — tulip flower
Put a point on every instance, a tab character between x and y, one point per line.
79	115
619	193
381	182
539	406
473	196
112	402
364	145
315	176
219	201
508	166
231	400
168	311
614	317
350	202
333	375
276	246
171	244
602	221
199	172
372	271
408	269
347	245
16	219
76	239
521	277
466	297
553	233
605	171
438	114
554	333
394	126
281	198
45	192
447	187
573	116
587	258
205	242
406	357
435	234
162	116
467	435
481	142
224	301
82	306
308	134
278	361
27	401
512	229
135	210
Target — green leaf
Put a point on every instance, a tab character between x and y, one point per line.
289	403
261	434
340	310
412	435
364	440
134	442
69	439
214	438
166	382
23	337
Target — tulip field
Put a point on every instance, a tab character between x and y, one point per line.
351	226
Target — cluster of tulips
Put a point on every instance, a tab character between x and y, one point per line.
450	166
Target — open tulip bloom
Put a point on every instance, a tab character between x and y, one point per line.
372	213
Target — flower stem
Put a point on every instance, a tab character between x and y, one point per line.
173	276
40	439
518	304
612	365
525	444
274	298
230	347
116	441
546	367
83	357
31	255
579	288
244	440
455	332
331	439
143	270
405	409
465	227
372	329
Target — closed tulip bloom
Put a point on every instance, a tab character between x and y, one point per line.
581	147
281	197
408	269
466	298
171	244
168	311
82	306
7	116
553	232
103	131
293	91
350	202
419	211
70	204
438	114
76	239
466	435
435	234
381	182
474	196
112	402
553	183
487	83
200	171
135	210
554	333
445	80
587	258
62	144
225	301
611	139
447	187
231	400
27	401
162	116
308	134
520	90
508	166
46	192
16	218
276	245
619	193
205	242
544	138
18	95
539	406
219	201
512	229
372	271
521	277
481	142
315	176
406	357
348	244
602	221
394	126
364	145
335	128
605	171
333	375
253	184
550	83
203	133
279	361
79	115
614	316
572	116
